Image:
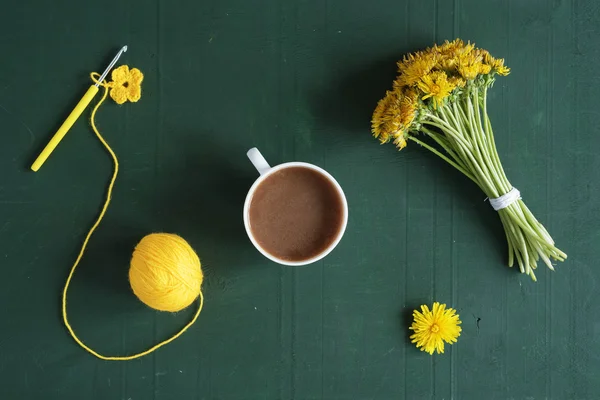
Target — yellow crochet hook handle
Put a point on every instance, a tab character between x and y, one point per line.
64	128
79	108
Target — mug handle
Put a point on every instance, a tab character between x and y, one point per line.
259	162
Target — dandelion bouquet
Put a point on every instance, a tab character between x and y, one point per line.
441	92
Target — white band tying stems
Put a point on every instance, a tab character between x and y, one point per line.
506	199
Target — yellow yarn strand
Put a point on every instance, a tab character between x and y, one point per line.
87	239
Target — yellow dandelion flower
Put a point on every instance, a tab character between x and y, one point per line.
488	59
445	47
483	54
448	62
415	66
447	53
497	64
451	47
469	65
408	107
433	328
399	84
387	119
468	48
484	69
460	49
469	71
436	86
400	140
502	70
394	114
457	81
379	123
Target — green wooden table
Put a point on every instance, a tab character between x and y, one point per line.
299	80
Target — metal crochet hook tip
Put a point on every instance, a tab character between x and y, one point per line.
112	64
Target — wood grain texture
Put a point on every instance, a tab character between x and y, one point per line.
299	80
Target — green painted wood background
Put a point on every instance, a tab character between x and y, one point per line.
298	79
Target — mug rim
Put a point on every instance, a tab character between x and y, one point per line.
329	248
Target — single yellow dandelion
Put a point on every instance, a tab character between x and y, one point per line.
400	140
460	49
450	54
469	65
451	47
444	47
500	68
379	122
448	62
408	107
433	328
414	67
436	86
394	114
387	118
488	59
503	70
484	69
469	71
398	84
497	64
457	81
483	54
406	113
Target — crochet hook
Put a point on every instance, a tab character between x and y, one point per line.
83	103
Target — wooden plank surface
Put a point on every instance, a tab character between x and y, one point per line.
299	80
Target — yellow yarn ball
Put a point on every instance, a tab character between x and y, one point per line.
165	272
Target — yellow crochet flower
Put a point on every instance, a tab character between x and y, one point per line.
126	84
433	328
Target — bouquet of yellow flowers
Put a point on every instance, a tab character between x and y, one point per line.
441	92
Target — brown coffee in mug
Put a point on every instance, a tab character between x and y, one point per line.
296	213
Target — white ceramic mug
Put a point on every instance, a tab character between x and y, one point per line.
265	170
